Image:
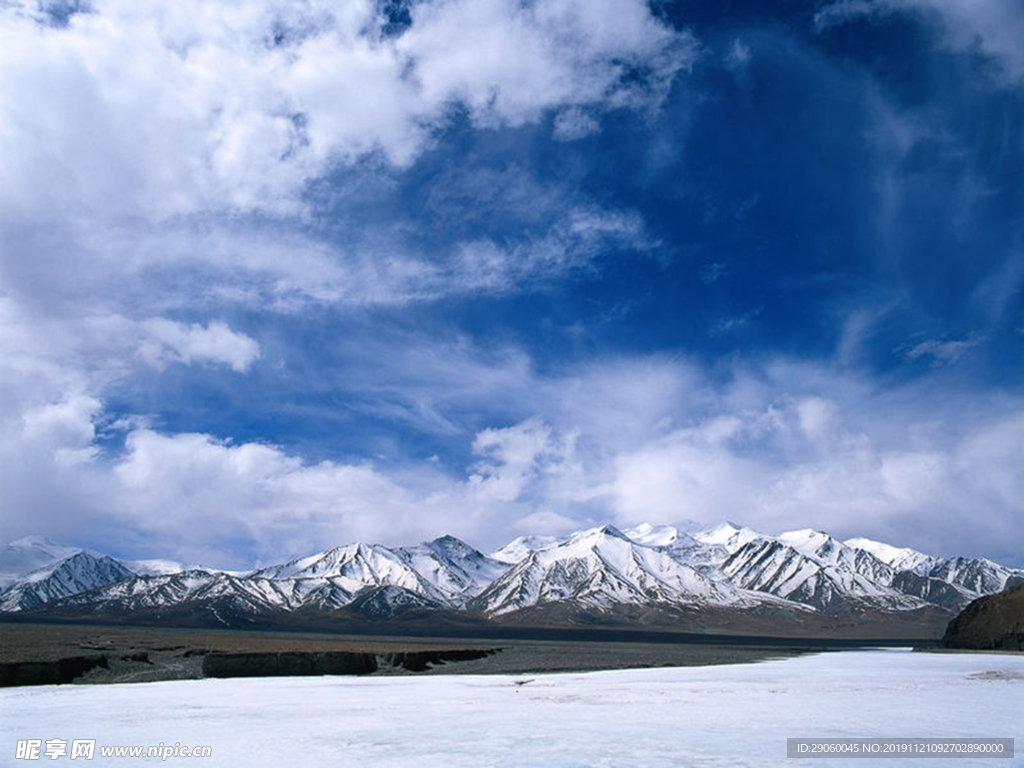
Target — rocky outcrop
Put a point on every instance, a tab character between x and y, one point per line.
48	672
146	666
290	663
419	661
294	663
994	622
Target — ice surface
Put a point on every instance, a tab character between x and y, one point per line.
736	715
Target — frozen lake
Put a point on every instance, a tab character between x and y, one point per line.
701	716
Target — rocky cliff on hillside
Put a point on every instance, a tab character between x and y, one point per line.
994	622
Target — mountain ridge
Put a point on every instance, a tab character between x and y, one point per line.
648	574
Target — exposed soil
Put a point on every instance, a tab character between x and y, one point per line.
32	654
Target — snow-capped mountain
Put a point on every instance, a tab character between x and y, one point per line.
78	573
142	592
445	571
157	567
952	582
813	569
385	602
30	554
597	571
518	549
898	558
457	569
727	536
343	571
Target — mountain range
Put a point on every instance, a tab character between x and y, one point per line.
690	577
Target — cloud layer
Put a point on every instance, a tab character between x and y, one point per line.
781	446
229	107
276	276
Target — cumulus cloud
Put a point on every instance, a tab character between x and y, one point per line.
157	180
174	108
518	459
780	446
171	486
51	354
160	159
55	374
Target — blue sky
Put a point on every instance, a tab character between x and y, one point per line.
279	276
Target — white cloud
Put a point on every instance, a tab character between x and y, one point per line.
171	486
941	352
992	27
47	356
843	11
55	374
159	154
510	61
518	457
777	446
574	123
738	57
172	108
167	341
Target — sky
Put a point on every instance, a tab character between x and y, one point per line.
279	276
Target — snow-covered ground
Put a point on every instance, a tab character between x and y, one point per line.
703	716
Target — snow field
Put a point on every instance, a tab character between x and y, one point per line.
738	715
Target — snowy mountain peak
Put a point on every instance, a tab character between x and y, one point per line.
901	558
598	534
727	535
80	572
156	567
646	567
449	545
817	545
598	569
29	554
520	548
653	535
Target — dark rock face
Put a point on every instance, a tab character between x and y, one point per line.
48	672
931	589
418	661
994	622
142	666
288	663
388	602
330	663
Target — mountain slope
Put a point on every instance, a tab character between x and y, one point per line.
898	558
456	569
819	576
728	575
519	549
30	554
597	569
78	573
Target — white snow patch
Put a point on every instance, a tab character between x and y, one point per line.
900	558
519	549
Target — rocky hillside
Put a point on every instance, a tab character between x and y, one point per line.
994	622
